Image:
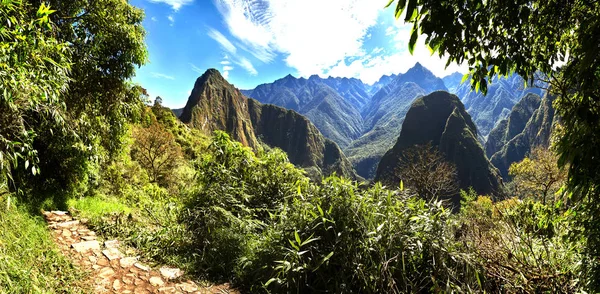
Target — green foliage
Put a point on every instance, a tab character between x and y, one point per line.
539	176
522	246
255	220
34	68
30	262
529	37
337	238
237	193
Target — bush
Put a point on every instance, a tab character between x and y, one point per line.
522	245
237	192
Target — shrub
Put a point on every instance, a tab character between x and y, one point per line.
236	194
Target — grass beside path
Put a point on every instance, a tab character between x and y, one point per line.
30	262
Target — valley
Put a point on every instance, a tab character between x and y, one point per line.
366	120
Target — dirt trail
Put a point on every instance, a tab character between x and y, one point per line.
109	269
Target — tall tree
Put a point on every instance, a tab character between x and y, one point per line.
538	175
156	151
34	68
105	41
558	38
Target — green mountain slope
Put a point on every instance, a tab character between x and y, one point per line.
441	120
487	111
335	115
217	105
384	123
513	125
517	139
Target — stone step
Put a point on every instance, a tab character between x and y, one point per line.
112	253
68	224
86	245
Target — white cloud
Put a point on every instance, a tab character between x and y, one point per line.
225	74
161	76
175	4
221	39
171	19
153	18
196	69
225	62
322	37
247	65
227	68
377	51
370	69
390	31
312	34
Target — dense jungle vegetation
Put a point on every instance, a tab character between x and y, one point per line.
76	134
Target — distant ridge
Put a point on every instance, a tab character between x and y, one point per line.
529	124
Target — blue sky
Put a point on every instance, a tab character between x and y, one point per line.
258	41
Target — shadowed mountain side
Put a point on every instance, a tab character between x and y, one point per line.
513	125
177	111
517	144
217	105
487	111
334	114
335	118
441	120
387	117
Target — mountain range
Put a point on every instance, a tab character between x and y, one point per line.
364	120
215	104
310	117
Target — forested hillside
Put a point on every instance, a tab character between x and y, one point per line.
238	195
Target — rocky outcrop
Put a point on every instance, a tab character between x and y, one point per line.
440	119
217	105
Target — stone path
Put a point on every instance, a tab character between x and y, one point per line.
110	270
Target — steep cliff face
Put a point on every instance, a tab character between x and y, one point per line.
441	120
217	105
487	111
214	104
513	125
331	104
529	125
